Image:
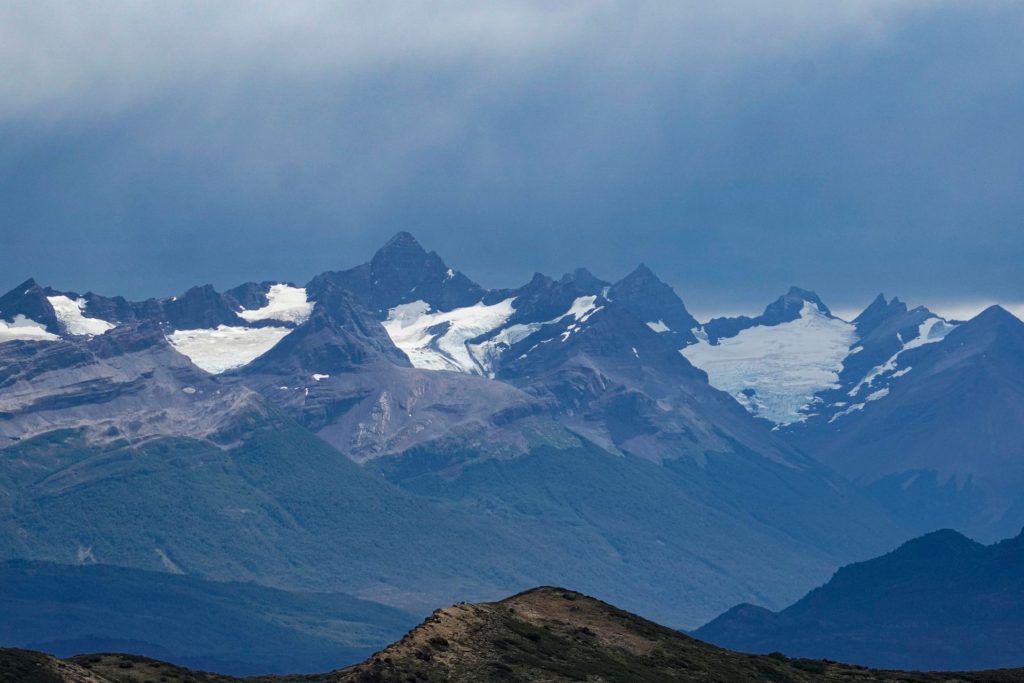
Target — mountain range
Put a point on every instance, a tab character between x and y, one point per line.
400	434
237	628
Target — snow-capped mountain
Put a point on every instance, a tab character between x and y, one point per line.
777	363
886	331
922	411
561	412
797	362
944	445
602	405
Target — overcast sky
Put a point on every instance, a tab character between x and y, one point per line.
734	147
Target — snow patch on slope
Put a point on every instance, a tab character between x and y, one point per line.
930	331
775	371
284	303
71	315
582	308
487	352
25	329
439	340
226	348
873	396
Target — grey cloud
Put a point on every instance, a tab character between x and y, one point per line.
735	147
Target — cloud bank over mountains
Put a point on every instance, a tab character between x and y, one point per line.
739	147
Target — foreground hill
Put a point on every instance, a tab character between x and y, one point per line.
941	601
546	634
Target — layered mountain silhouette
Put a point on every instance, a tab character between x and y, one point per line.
235	628
941	601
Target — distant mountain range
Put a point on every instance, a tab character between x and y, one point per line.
236	628
399	433
545	634
941	601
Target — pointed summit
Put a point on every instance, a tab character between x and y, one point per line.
26	285
402	271
201	306
877	313
403	244
994	331
875	309
29	299
584	281
655	303
788	306
997	315
643	273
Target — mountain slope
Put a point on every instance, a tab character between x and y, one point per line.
268	503
125	383
940	601
944	446
668	540
339	375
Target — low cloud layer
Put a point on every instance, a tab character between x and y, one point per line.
735	147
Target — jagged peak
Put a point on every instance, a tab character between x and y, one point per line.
801	293
198	291
24	288
881	308
584	280
996	314
642	270
30	300
994	325
539	279
641	275
788	306
27	284
402	242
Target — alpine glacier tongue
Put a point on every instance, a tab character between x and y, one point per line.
776	370
21	328
71	314
226	348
